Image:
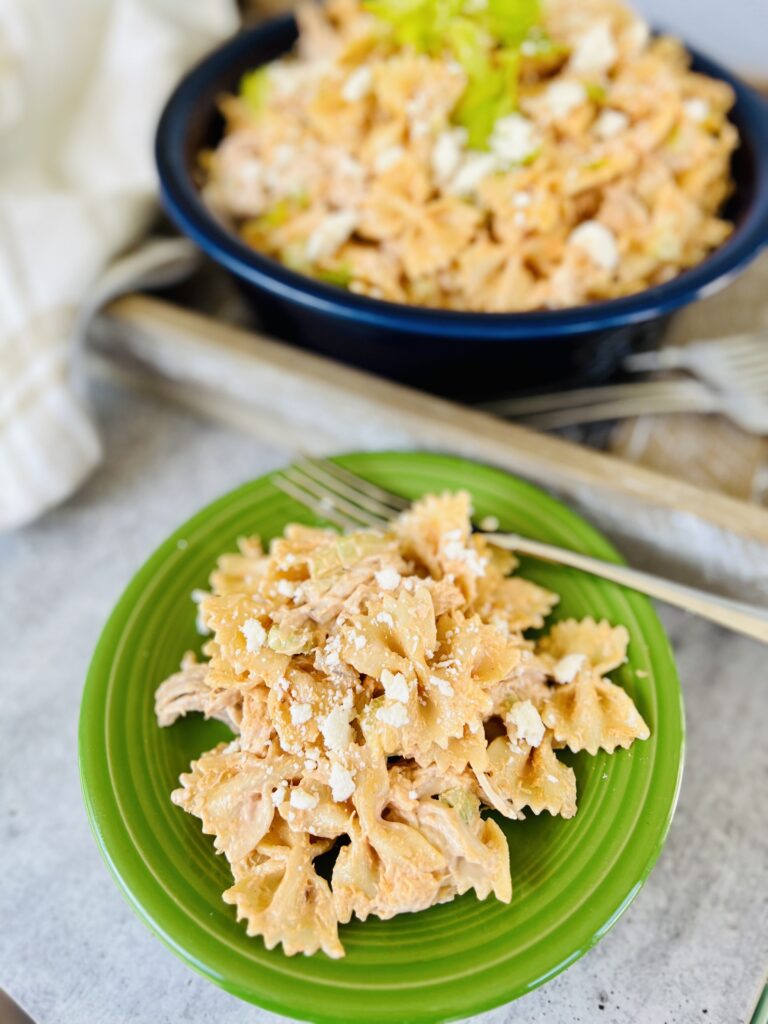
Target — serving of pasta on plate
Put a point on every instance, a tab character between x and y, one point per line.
384	697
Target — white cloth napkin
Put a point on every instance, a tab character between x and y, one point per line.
82	83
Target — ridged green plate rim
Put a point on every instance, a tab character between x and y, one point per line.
572	879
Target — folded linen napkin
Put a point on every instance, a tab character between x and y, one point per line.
81	86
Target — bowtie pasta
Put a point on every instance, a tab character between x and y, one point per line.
383	695
494	156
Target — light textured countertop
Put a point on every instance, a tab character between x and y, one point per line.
692	947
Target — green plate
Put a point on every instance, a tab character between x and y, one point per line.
571	879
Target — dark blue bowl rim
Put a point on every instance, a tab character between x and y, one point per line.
184	205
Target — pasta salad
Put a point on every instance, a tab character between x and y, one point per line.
383	696
479	155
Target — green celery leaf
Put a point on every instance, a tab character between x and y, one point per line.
340	276
254	87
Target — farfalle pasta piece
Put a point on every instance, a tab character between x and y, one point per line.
355	879
402	871
395	630
591	714
531	776
231	792
519	604
241	626
241	572
435	237
469	748
437	534
285	901
603	646
449	817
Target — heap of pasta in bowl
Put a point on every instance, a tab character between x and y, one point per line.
477	155
383	697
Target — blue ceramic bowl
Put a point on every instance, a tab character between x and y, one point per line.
468	355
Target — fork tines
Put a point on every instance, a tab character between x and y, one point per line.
337	495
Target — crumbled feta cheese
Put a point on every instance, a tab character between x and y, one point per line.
342	783
388	158
393	714
303	800
696	110
527	720
566	670
385	619
514	139
331	233
447	152
351	167
300	713
598	242
284	155
455	551
637	35
442	686
562	97
332	651
255	635
249	175
336	730
395	686
595	51
489	523
286	588
358	84
472	170
610	123
387	578
287	79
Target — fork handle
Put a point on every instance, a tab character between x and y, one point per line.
738	616
622	409
676	390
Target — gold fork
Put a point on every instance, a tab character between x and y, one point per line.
349	502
